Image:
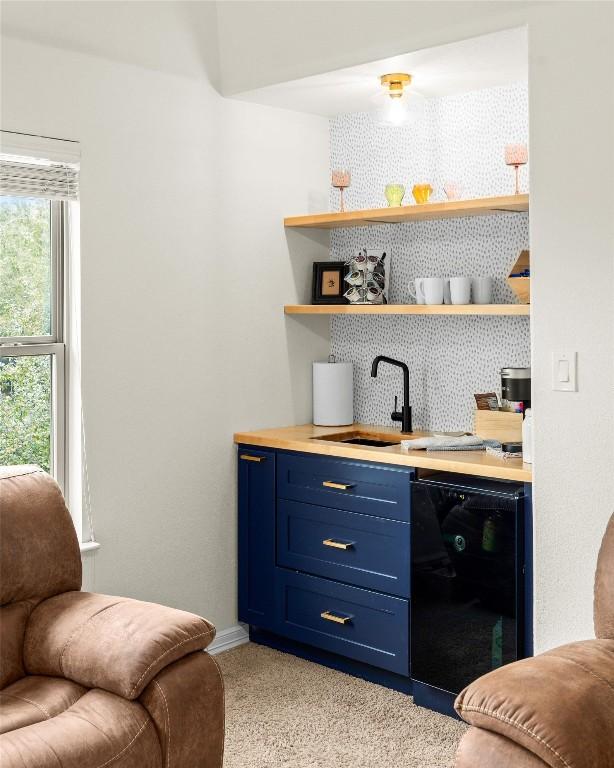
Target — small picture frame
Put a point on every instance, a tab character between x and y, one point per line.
328	286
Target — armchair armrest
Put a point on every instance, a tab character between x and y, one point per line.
558	706
113	643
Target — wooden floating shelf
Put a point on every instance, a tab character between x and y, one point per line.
408	309
482	206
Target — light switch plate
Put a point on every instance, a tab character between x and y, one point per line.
564	371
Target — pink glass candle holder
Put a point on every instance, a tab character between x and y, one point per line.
516	155
340	180
453	190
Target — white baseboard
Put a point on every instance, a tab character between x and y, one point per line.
229	638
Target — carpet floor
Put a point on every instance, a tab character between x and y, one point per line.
284	712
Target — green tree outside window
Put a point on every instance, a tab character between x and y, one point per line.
25	310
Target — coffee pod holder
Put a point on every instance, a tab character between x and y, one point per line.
367	278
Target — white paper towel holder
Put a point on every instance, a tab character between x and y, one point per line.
333	393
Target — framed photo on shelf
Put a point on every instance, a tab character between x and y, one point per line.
328	286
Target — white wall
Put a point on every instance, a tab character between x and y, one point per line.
571	107
571	87
185	269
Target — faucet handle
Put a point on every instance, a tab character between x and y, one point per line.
395	415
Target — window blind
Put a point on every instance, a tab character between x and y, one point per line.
38	166
28	177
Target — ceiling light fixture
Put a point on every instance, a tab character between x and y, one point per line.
395	83
399	108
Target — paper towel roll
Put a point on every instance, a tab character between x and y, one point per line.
333	394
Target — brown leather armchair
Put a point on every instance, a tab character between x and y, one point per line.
90	680
556	709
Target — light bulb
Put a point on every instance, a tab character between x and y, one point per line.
400	110
397	113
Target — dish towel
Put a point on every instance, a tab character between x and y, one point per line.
464	443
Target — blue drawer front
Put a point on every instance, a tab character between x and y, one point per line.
369	489
376	553
376	628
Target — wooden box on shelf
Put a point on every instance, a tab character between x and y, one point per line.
498	425
521	285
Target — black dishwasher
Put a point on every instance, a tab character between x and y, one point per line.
467	578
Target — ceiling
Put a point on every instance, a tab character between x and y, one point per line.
178	37
258	49
491	60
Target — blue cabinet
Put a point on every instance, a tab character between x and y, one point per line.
357	486
357	623
256	469
363	550
324	554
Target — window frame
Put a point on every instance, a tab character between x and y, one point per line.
52	344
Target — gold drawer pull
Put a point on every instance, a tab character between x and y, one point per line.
338	486
338	544
328	616
247	457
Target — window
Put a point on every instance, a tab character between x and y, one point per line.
34	215
32	396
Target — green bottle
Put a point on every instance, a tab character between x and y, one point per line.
491	539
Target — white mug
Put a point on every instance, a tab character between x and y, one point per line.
432	288
482	290
418	294
460	290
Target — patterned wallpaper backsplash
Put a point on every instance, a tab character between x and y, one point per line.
461	139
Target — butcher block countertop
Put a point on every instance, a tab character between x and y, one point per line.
308	438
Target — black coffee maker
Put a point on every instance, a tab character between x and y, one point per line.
516	387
